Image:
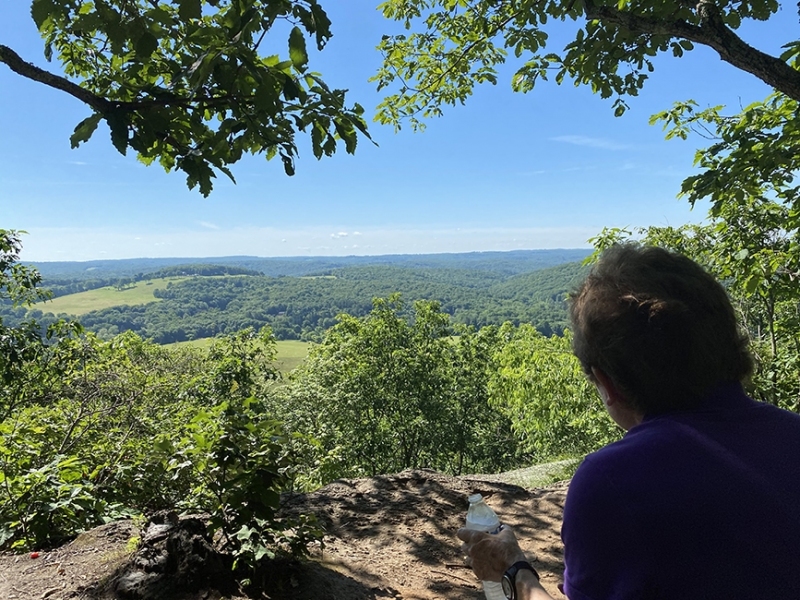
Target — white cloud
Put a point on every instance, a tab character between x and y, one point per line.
582	140
207	225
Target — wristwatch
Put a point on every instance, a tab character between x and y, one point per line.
510	578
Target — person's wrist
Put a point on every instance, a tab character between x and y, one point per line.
520	581
529	587
518	557
527	578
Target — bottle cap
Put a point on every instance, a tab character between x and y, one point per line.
475	498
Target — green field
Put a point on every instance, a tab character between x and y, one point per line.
290	352
83	302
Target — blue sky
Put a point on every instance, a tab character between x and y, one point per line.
507	171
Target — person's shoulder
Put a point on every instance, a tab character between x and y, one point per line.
644	438
629	458
775	413
601	466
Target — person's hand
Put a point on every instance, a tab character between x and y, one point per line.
490	554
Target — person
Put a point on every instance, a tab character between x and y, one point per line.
701	496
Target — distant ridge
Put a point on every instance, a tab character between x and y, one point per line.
509	262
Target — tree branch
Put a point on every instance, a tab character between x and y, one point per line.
711	32
100	104
30	71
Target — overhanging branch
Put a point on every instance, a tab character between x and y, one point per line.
102	105
711	32
30	71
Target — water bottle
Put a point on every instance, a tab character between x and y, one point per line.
480	517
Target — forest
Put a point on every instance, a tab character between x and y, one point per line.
218	300
100	426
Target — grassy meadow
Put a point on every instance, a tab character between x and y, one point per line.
290	352
83	302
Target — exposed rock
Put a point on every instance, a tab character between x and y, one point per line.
175	557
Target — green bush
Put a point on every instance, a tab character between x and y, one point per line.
385	392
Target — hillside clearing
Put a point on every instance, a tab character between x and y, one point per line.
81	303
290	352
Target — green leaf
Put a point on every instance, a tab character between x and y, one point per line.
292	91
190	9
288	164
347	134
84	130
145	45
297	49
119	131
228	173
41	11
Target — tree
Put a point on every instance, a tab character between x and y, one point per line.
22	342
184	82
540	386
461	43
386	392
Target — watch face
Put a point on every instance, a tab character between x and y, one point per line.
508	587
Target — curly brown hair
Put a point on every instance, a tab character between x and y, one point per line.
661	327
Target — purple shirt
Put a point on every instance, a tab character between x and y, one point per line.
700	504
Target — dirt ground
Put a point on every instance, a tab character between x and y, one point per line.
387	537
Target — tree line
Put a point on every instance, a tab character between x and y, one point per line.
305	307
71	285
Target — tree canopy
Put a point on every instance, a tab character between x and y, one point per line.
187	83
453	45
191	84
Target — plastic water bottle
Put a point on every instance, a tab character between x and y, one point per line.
480	517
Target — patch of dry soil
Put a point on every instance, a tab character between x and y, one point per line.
387	537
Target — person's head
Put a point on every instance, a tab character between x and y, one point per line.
658	327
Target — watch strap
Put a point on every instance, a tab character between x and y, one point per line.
519	565
510	578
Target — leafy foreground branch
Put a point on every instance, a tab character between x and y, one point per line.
451	47
184	83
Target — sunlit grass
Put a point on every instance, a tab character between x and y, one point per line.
83	302
290	352
538	475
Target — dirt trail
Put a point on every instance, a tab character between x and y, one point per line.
388	537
